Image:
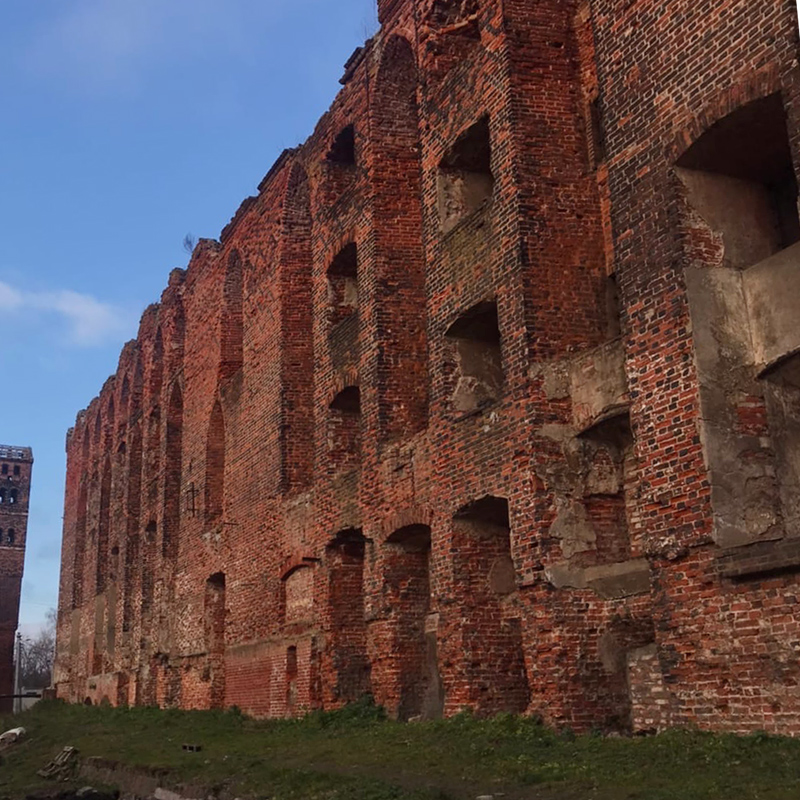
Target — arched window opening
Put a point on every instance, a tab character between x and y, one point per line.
2	495
12	496
5	469
147	565
173	470
154	444
103	531
232	320
80	546
347	653
344	427
11	535
348	401
611	481
343	284
297	426
465	180
156	368
137	389
132	545
298	596
740	179
406	560
343	149
125	394
16	470
215	467
343	308
485	581
214	617
478	378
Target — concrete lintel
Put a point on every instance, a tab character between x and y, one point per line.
609	581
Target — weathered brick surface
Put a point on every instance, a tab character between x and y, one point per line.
348	452
16	464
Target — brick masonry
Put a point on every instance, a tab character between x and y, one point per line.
435	419
16	464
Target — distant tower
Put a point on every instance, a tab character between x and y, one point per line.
15	484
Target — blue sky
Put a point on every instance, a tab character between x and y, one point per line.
125	125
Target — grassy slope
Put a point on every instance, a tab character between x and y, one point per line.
355	755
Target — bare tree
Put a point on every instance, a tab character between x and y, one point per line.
38	654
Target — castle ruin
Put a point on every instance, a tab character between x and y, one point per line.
488	399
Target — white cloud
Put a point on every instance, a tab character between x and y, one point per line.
10	298
89	321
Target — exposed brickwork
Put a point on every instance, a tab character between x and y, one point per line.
436	419
16	464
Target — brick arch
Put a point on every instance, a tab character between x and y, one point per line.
297	199
296	260
297	560
480	493
398	249
232	322
404	518
760	84
215	465
137	385
348	376
173	327
155	378
338	244
397	43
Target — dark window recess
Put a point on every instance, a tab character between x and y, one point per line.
484	569
465	180
610	485
215	466
343	149
343	283
5	469
11	536
348	401
344	428
478	380
12	496
16	469
597	142
739	178
488	510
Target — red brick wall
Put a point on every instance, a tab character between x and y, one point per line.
346	273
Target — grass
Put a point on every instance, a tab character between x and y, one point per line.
356	754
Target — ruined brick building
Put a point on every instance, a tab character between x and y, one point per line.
489	398
15	484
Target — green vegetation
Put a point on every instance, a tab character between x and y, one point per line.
356	754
